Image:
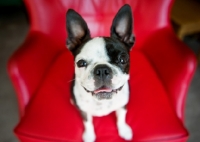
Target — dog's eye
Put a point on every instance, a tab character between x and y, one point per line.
81	63
123	58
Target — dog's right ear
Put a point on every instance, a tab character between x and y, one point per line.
77	30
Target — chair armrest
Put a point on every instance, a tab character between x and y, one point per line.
27	66
174	63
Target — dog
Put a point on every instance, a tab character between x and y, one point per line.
101	70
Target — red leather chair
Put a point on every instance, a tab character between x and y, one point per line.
42	69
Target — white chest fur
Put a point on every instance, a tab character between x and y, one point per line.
94	107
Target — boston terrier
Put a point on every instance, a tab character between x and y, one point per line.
101	70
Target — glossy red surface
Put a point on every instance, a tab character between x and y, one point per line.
42	69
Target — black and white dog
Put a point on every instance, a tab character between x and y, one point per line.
101	70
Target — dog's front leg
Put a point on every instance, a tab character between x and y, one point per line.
89	134
124	129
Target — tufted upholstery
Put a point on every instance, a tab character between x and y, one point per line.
42	69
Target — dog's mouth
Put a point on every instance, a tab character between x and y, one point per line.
104	92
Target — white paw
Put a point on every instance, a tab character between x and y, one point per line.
125	132
89	136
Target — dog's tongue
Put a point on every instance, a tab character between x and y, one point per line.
103	90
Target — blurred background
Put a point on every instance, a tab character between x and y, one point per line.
14	26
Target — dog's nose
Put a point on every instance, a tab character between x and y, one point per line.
102	72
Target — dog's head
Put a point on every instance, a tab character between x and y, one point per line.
101	63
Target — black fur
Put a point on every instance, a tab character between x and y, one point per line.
77	30
114	49
122	26
117	46
79	34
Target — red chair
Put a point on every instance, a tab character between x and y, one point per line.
42	69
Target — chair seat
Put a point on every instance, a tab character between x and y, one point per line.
51	117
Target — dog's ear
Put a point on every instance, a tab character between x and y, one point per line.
77	30
122	26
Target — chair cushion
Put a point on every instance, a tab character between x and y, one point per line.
51	117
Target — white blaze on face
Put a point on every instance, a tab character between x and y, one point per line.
94	53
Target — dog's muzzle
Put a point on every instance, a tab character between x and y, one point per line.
102	75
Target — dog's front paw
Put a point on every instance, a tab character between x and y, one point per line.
125	131
89	136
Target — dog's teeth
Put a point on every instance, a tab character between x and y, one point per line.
99	97
109	96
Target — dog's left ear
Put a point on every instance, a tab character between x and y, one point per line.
122	26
